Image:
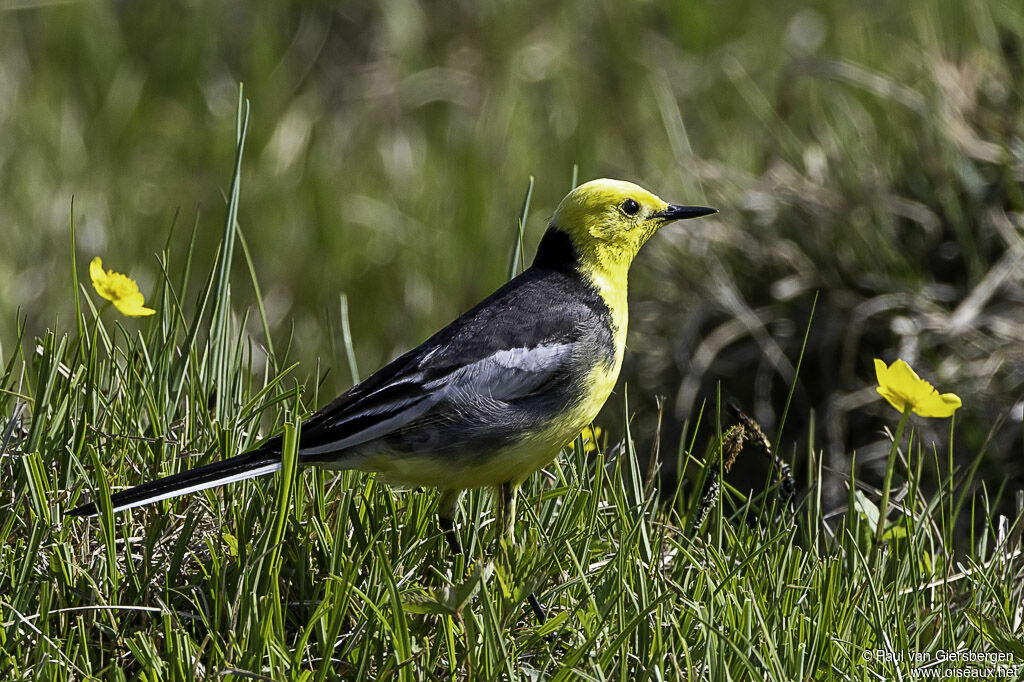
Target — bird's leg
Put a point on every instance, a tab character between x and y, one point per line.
507	518
507	511
446	518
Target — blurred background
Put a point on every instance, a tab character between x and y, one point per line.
867	162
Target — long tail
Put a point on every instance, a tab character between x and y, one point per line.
249	465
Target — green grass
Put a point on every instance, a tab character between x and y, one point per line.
315	575
867	161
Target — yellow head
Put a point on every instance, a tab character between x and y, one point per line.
595	233
608	221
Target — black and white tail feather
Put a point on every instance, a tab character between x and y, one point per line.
240	468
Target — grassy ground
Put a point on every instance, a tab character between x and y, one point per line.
316	576
867	161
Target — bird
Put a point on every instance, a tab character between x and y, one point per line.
495	395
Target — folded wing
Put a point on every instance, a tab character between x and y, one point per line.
421	388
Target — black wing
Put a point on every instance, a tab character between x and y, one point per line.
512	345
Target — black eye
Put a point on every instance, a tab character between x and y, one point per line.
630	207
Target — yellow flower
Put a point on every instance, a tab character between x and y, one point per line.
119	289
590	436
899	384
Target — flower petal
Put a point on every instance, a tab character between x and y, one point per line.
938	405
96	270
881	372
101	280
904	380
131	305
894	399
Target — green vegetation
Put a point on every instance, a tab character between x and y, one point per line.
866	159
